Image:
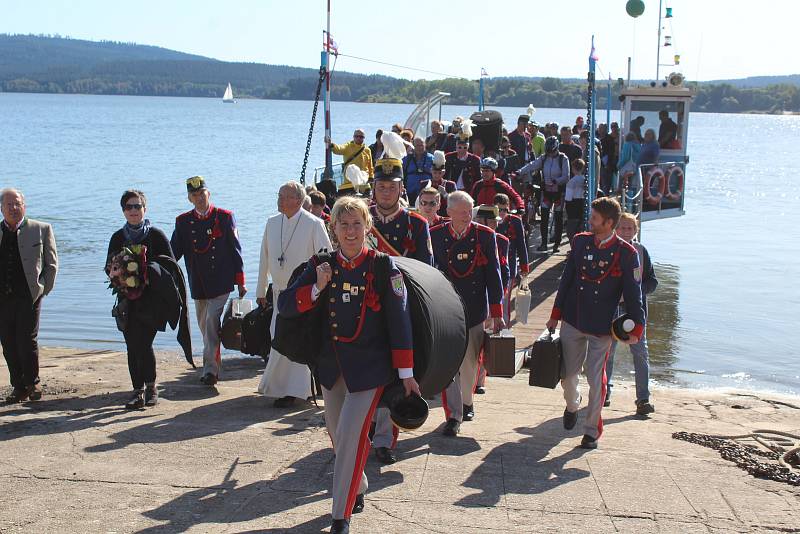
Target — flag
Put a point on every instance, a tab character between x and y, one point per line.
484	74
593	54
330	45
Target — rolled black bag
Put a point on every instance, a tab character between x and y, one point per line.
488	127
438	322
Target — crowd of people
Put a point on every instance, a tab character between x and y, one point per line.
447	201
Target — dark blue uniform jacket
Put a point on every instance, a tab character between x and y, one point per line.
369	335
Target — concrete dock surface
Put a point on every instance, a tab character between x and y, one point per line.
224	460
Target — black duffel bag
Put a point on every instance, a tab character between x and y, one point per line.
255	330
488	127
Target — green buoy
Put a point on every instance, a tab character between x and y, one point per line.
635	8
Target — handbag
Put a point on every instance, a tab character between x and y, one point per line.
120	312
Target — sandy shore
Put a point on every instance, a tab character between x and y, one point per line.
224	460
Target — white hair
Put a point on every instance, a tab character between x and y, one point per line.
459	196
298	189
10	190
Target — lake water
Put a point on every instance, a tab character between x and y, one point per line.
725	313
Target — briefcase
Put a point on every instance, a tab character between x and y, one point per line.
230	332
546	360
499	355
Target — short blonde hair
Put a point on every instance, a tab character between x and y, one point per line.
351	204
630	217
430	191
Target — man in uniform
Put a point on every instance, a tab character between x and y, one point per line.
462	167
207	239
488	215
428	203
466	253
396	231
599	270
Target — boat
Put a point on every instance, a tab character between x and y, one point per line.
227	98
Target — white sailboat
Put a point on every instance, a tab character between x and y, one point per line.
227	98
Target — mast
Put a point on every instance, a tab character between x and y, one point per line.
326	57
592	105
658	48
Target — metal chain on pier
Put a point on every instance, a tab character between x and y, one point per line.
759	463
586	206
311	129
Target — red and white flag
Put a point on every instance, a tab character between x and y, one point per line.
330	45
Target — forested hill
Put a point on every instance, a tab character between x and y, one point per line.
52	64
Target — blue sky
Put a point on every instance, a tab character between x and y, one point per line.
716	39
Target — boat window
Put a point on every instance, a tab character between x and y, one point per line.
670	131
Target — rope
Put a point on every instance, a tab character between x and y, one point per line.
311	129
403	66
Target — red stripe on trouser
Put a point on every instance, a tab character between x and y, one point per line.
603	392
478	370
444	405
395	435
218	357
361	457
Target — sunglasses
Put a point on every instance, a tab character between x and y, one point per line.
426	203
358	137
501	209
129	207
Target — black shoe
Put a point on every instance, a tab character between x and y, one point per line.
358	506
542	247
340	526
150	396
607	402
588	442
284	402
136	402
469	413
570	418
18	395
35	392
555	249
209	379
480	390
385	455
451	428
644	408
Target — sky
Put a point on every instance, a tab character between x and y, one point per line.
717	39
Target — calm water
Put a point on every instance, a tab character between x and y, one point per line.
725	314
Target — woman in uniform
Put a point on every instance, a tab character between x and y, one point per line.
360	355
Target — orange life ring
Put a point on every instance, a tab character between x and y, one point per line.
655	177
670	192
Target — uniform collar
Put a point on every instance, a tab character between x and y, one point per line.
607	242
206	215
388	218
461	235
355	262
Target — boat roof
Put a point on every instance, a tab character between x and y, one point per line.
669	91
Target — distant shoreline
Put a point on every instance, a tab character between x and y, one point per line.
249	97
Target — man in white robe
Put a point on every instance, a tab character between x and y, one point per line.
290	238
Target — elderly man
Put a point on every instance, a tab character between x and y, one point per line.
466	253
291	237
353	152
207	239
28	267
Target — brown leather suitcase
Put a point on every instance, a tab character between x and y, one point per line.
500	357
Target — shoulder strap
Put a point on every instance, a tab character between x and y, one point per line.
354	156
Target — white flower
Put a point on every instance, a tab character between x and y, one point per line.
130	281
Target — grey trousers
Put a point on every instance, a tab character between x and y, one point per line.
385	432
348	416
590	352
460	390
209	313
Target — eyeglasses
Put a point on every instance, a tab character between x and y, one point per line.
129	207
502	209
358	137
426	203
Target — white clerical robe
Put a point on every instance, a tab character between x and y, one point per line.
301	236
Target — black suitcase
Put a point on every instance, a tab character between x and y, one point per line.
255	332
488	127
546	361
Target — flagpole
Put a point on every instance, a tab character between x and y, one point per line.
326	58
592	182
658	48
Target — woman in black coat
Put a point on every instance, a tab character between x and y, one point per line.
138	328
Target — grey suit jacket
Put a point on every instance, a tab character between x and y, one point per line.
37	250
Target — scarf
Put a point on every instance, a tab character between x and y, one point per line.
136	234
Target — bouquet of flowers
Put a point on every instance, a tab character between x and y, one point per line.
127	272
